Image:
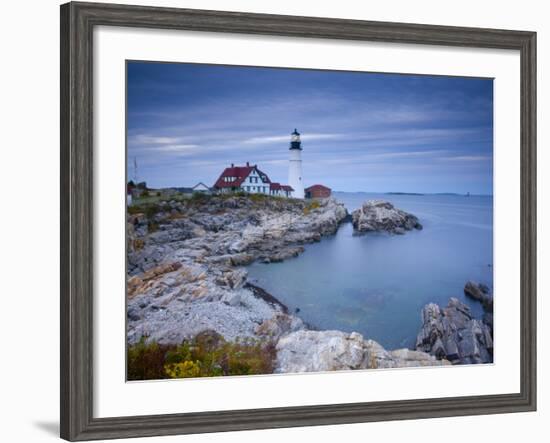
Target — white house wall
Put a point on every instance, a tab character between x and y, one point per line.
253	184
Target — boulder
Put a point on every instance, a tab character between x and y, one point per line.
452	333
481	293
382	216
312	351
279	325
234	278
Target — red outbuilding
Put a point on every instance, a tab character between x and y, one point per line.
318	191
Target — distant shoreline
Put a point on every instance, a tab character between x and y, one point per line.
414	193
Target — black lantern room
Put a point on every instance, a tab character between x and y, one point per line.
295	142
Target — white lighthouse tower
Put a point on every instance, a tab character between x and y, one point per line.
295	165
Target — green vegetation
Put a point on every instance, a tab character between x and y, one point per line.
149	206
199	197
258	197
149	209
311	206
146	361
207	355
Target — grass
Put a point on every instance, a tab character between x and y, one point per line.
207	355
149	206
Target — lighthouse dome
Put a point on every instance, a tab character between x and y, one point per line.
295	142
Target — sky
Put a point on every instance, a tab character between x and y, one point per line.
367	132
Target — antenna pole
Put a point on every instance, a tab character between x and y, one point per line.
135	171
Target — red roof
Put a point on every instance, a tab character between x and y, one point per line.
317	188
279	187
240	173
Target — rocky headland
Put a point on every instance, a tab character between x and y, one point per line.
186	263
382	216
187	277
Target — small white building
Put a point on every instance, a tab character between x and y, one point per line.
202	188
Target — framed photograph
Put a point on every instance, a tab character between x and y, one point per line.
272	221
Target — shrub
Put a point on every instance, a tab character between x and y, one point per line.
149	209
314	204
258	197
185	369
146	361
311	206
199	196
207	355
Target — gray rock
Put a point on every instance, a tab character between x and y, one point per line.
481	293
453	334
133	314
311	351
382	216
279	325
233	278
488	319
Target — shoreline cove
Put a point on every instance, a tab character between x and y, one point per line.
189	264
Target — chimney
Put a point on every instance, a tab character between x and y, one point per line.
247	164
232	165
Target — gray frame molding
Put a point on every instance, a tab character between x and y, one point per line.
77	23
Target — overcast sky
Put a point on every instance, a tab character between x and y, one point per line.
360	131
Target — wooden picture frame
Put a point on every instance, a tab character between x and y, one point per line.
77	23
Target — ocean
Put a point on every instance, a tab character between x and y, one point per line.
377	284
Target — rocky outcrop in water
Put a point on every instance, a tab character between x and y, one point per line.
185	264
452	333
310	351
481	293
382	216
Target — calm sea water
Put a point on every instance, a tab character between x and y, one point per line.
376	284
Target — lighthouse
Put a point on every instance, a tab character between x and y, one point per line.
295	165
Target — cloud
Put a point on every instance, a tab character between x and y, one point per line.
286	138
143	139
178	148
467	158
405	154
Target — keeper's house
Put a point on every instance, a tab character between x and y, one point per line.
249	179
